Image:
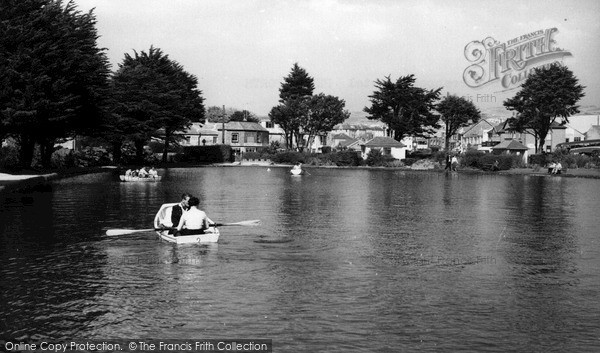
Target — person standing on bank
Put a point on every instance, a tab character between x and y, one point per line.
454	163
194	220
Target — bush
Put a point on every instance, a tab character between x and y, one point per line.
346	158
376	158
207	154
472	159
9	157
541	159
288	157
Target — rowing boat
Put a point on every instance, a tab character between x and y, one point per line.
210	235
163	216
129	178
296	171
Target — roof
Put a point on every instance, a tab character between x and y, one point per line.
478	128
382	141
511	145
358	127
239	126
348	142
341	137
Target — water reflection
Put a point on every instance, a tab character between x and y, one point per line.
379	260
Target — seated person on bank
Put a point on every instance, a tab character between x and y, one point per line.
194	220
557	168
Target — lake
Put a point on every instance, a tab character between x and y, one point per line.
345	260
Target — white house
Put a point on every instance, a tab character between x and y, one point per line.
387	145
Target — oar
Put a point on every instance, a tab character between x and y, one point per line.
114	232
243	223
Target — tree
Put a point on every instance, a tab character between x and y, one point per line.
153	97
244	115
324	113
456	112
550	94
406	110
216	114
52	74
294	94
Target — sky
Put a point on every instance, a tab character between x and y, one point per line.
241	50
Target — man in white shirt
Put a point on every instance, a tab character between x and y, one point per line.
194	220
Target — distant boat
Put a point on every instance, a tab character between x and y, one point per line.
296	171
130	178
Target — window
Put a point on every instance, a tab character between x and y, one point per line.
235	137
258	139
578	138
567	139
269	124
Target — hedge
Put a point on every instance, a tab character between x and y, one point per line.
207	154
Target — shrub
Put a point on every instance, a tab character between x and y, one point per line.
472	159
288	157
207	154
9	157
541	159
346	158
252	155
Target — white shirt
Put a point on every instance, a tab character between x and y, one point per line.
193	219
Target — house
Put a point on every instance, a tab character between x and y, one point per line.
276	133
242	136
502	132
593	133
340	139
197	135
359	131
414	143
387	145
476	136
512	147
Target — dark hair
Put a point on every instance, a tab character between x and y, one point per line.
193	201
185	195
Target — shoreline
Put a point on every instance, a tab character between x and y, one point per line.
16	182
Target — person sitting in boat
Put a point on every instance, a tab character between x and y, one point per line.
298	166
170	213
194	220
153	173
143	173
128	172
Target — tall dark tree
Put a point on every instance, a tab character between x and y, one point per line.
406	110
550	94
152	97
296	89
456	112
52	74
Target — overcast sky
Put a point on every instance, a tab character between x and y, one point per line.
240	50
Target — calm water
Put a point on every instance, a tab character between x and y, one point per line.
344	261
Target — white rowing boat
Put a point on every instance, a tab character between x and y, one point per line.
163	216
142	179
210	235
296	171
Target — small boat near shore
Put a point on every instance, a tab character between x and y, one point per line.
129	178
296	171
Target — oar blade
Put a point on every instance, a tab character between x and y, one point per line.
251	223
115	232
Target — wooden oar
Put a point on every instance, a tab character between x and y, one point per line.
243	223
115	232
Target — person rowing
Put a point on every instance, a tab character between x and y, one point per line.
164	220
194	220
